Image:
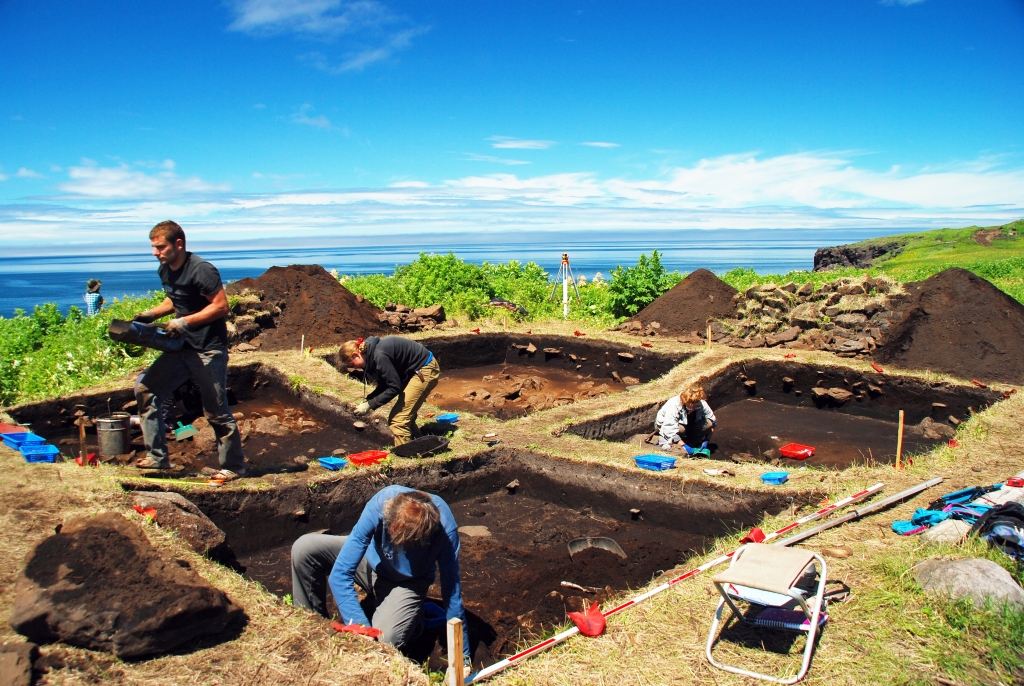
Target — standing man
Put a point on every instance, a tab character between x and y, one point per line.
195	295
402	539
93	299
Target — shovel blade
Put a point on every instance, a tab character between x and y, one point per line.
603	542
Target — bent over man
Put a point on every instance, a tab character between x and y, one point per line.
195	296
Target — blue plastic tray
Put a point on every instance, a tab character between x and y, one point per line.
16	440
332	463
775	478
655	462
40	452
448	418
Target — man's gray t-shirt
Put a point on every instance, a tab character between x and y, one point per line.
189	289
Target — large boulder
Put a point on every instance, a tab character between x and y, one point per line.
174	511
99	584
976	579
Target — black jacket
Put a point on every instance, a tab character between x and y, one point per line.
392	361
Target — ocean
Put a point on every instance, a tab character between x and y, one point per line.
27	280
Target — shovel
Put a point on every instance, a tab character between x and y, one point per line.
604	543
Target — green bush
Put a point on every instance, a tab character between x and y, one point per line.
634	288
46	354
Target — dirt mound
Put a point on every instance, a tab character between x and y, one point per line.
286	303
690	303
99	584
959	323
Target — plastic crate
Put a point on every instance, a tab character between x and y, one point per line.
332	463
775	478
447	418
367	457
796	451
40	452
657	463
18	439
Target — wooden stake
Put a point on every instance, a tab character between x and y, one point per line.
83	450
899	443
456	665
709	337
302	346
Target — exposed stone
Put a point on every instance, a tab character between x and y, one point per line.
852	255
819	393
840	395
851	320
975	579
434	312
100	585
852	289
174	511
784	336
805	316
949	531
270	426
805	290
789	287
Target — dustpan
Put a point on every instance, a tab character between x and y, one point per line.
185	431
577	545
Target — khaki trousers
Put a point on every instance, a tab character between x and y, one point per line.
402	419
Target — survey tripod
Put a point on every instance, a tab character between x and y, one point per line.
566	277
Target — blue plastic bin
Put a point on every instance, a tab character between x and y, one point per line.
40	452
332	463
655	462
775	478
16	440
448	418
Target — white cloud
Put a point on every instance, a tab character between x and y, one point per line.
259	106
519	143
92	181
741	191
318	121
904	3
600	144
473	157
24	173
374	33
3	177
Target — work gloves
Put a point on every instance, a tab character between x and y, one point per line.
176	327
362	408
704	445
688	449
144	317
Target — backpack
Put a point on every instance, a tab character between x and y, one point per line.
1003	528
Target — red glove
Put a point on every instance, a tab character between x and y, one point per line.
361	629
591	622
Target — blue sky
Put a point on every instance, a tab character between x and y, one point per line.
279	119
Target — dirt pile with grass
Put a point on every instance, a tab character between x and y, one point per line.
959	323
274	311
687	307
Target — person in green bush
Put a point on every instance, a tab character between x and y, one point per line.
196	298
403	369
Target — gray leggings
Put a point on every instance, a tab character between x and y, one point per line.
398	609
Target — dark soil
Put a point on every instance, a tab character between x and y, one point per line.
960	324
690	304
514	555
279	427
312	304
507	391
861	413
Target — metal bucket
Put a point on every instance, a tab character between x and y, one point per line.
112	434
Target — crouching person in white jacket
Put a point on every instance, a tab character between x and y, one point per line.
686	419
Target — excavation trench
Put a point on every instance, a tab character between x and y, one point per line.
282	428
511	375
514	552
848	417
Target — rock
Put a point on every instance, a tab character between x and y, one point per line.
805	316
402	309
819	393
949	531
973	578
934	430
174	511
434	312
851	320
630	381
627	356
16	661
789	287
784	336
244	348
100	585
805	290
269	426
751	342
531	349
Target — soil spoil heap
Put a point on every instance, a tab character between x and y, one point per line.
688	305
959	323
274	311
